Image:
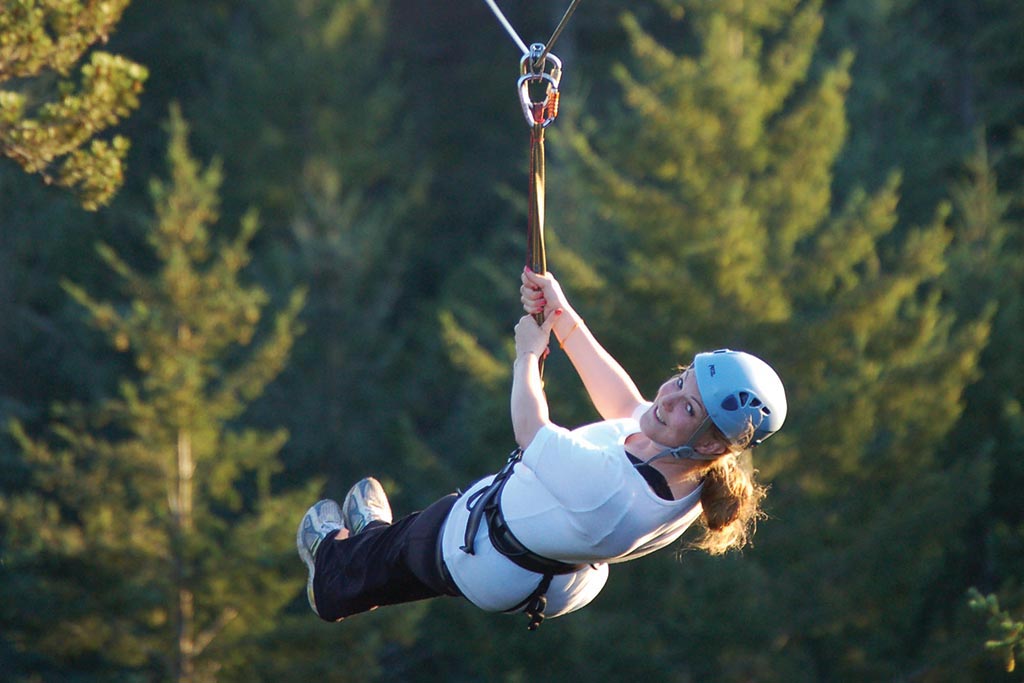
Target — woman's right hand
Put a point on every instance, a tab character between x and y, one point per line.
531	337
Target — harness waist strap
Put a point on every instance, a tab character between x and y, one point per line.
505	542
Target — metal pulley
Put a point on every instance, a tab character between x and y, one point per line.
540	74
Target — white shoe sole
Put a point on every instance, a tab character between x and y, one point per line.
312	522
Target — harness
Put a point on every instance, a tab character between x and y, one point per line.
485	504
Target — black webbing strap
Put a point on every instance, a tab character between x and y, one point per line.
505	542
486	504
478	502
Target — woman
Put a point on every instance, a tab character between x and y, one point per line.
539	535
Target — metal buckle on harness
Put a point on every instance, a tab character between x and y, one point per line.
539	110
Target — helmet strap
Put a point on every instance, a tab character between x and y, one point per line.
686	451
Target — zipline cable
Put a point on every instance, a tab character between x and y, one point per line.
508	27
539	60
558	31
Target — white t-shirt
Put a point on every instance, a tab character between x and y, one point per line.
574	497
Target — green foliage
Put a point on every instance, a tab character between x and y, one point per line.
1007	634
151	519
989	274
991	40
356	203
320	138
49	124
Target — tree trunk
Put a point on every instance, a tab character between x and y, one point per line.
185	665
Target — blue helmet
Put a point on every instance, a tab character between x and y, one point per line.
739	391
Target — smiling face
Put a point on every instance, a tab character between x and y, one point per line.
677	411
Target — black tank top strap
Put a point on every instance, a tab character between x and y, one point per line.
655	479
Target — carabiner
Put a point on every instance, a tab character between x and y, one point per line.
539	111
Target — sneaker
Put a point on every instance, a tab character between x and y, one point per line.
320	520
366	502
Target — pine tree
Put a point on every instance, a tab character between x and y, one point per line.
934	81
907	106
49	124
927	76
988	273
151	526
353	194
319	130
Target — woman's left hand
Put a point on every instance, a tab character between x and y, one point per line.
541	293
532	337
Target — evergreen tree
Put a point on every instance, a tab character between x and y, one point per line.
319	131
150	542
50	126
907	106
926	76
352	188
381	140
997	63
934	81
987	273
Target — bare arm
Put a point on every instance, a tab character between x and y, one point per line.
528	403
609	386
611	389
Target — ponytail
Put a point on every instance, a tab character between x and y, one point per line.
731	502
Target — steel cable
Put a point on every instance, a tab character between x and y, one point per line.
519	41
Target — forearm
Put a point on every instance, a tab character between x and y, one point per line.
529	404
610	387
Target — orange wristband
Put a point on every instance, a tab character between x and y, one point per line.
561	342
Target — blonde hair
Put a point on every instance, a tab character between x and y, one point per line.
731	501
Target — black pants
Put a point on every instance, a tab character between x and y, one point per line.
386	564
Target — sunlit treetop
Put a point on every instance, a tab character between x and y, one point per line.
50	117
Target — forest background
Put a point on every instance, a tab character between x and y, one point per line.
253	251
